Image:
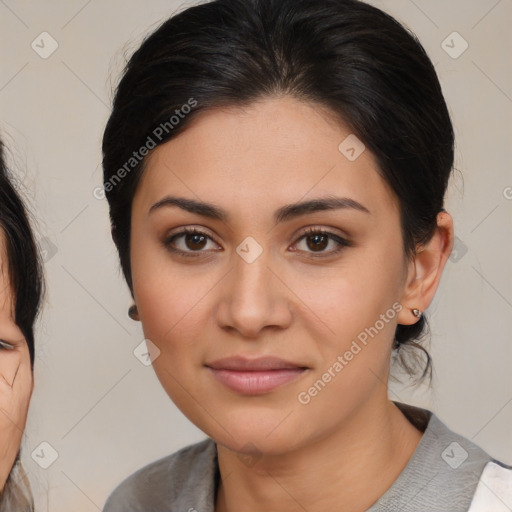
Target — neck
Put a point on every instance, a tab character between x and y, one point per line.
347	470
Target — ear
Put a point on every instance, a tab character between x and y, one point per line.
425	269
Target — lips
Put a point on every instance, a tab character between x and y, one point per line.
239	363
255	376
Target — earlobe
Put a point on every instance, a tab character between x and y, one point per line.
425	271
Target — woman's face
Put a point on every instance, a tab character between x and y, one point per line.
252	286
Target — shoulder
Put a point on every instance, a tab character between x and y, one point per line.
466	473
443	473
442	448
183	479
494	490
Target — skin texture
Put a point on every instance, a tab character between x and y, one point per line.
349	443
16	382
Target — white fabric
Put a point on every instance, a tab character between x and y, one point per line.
494	490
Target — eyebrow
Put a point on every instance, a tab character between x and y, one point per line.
283	214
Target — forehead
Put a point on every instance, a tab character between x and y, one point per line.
277	150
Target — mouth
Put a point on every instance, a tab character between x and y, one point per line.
255	376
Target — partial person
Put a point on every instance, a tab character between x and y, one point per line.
21	291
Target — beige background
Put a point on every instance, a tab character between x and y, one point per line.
98	407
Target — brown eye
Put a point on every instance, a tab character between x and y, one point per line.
190	242
195	241
315	241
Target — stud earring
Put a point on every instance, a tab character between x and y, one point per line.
417	313
133	312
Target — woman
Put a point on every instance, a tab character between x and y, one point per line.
275	171
21	286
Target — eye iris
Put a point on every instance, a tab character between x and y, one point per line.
195	239
320	241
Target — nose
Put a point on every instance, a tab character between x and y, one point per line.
254	298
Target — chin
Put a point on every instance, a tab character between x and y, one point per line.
255	445
255	433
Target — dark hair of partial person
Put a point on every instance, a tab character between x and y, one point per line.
361	64
24	263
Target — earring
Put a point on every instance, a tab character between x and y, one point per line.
133	312
417	313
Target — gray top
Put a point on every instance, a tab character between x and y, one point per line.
441	475
17	496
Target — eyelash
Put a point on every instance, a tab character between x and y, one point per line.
6	346
342	243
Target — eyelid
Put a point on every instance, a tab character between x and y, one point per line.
326	230
183	230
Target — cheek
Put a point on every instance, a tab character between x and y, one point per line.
169	310
172	309
347	298
159	292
